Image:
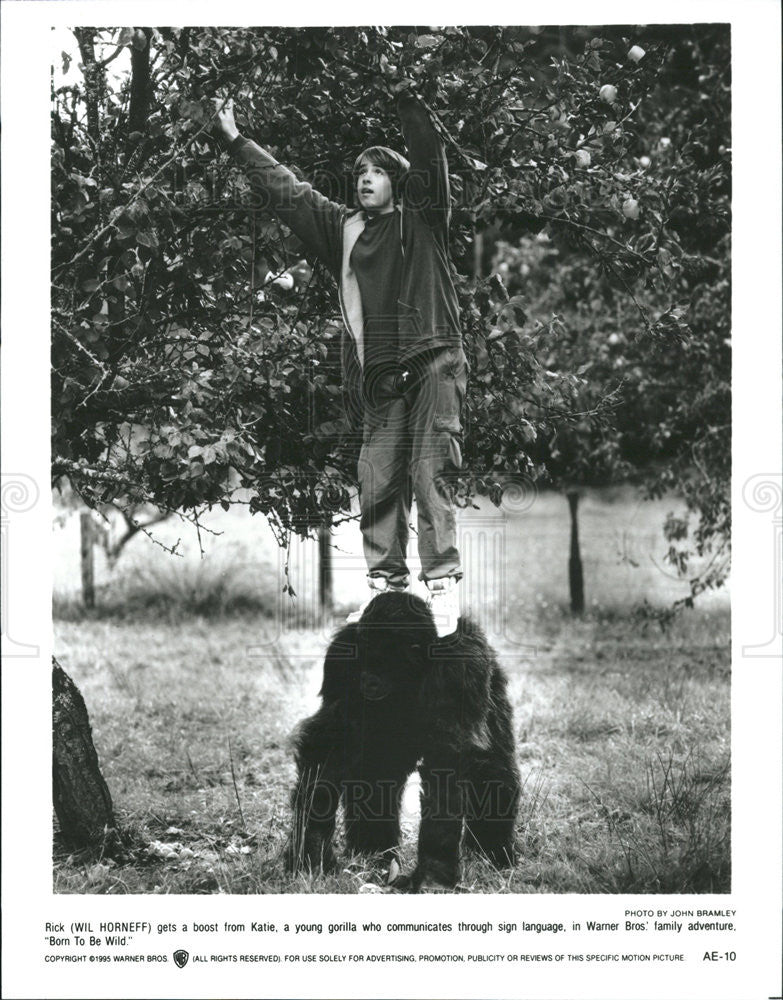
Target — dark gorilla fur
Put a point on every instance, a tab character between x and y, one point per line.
395	696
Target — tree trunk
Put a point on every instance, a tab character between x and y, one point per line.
87	559
93	86
575	576
81	797
139	102
478	253
325	576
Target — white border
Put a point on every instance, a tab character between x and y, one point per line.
27	897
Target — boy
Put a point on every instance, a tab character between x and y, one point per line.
403	362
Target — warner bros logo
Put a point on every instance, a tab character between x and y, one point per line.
181	958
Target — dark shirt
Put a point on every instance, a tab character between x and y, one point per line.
428	309
377	261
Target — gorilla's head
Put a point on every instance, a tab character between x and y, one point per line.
394	634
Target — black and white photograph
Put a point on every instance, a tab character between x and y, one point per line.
385	480
456	295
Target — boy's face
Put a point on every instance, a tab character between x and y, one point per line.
374	188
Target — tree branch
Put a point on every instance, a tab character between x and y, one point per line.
137	194
105	62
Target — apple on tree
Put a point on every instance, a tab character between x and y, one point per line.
631	208
284	281
582	158
608	93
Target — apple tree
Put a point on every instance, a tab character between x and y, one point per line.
655	341
182	371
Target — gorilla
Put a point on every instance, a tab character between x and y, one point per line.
396	697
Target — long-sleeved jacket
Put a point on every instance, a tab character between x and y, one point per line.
428	312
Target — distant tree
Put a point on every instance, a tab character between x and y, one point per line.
652	344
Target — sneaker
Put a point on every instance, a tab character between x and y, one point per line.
443	600
379	585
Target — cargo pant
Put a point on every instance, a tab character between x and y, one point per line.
412	446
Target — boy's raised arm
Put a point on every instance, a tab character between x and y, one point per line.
427	187
316	220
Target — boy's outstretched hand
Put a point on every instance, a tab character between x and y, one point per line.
225	126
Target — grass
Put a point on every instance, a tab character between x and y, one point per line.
622	729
